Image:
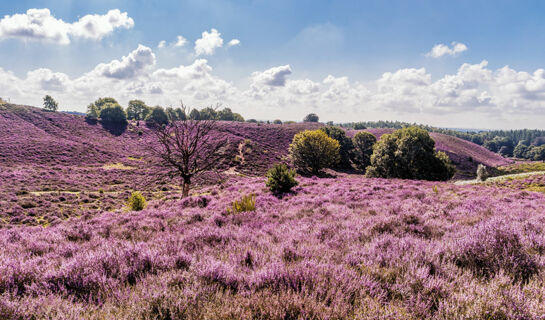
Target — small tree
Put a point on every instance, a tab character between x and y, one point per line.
157	117
113	113
482	173
280	178
92	113
312	151
187	148
311	117
50	104
409	153
345	143
363	149
137	110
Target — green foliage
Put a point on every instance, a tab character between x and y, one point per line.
113	113
180	114
482	173
245	204
277	121
94	109
92	112
195	115
409	153
363	149
520	151
137	110
346	147
208	113
311	117
280	178
50	104
537	153
157	117
312	151
359	126
251	121
136	201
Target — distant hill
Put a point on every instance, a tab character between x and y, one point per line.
31	135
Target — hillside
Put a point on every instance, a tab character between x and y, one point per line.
30	135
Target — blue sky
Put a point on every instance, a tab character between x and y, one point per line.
372	52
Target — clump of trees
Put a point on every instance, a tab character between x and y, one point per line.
94	109
157	117
346	147
311	117
313	150
50	104
409	153
113	113
137	110
209	113
363	143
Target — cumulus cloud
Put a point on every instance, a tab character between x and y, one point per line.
471	96
275	76
233	42
440	50
208	43
40	24
161	44
180	41
129	66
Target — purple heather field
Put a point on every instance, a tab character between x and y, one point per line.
338	247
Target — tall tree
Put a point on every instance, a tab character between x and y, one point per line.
137	110
50	104
187	148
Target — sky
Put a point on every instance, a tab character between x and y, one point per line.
464	64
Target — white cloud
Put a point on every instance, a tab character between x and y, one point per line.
208	43
180	41
39	24
474	95
440	50
233	42
161	44
129	66
275	77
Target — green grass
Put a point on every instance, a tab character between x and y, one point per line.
521	168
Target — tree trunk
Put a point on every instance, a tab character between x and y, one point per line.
185	187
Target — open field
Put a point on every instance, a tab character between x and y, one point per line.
337	247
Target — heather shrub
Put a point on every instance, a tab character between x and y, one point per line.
363	149
482	173
244	204
280	178
409	153
113	113
136	201
346	146
312	151
495	246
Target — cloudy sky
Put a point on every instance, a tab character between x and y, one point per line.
473	64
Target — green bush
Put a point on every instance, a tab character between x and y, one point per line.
113	113
137	110
311	117
312	151
280	178
245	204
346	147
136	201
277	121
363	149
157	117
409	153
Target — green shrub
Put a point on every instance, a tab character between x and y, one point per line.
311	117
245	204
137	110
280	178
409	153
312	151
113	113
346	146
136	201
363	149
157	117
277	121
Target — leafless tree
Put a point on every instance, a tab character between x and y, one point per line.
187	148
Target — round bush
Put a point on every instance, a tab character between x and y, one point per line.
158	116
137	201
312	151
113	113
409	153
280	178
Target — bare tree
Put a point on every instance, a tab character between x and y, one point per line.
187	148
